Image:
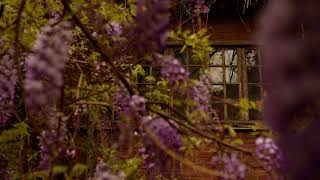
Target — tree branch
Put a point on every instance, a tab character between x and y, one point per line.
200	133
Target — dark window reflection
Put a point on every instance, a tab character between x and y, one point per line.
232	91
219	107
233	112
194	72
254	92
255	114
253	75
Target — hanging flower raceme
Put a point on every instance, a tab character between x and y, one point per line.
233	168
138	104
201	93
268	153
114	28
174	71
122	99
102	172
291	68
165	134
44	76
8	79
152	24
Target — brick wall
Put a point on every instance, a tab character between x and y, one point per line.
203	157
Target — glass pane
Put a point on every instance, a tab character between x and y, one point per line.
253	75
251	57
230	57
215	74
193	60
233	112
219	107
255	115
194	72
232	74
254	92
232	91
216	59
217	92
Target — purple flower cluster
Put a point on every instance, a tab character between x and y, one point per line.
201	94
51	143
152	24
8	79
268	153
122	99
291	67
129	105
114	28
137	104
166	134
174	71
102	172
44	75
233	168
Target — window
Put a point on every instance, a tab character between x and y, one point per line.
235	73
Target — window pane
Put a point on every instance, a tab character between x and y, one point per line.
254	92
216	74
230	56
253	75
194	72
232	91
255	115
219	107
217	91
232	74
216	59
193	60
251	57
233	112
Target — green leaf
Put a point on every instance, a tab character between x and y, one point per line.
138	70
237	142
150	79
78	169
232	132
59	169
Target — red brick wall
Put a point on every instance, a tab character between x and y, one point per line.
203	157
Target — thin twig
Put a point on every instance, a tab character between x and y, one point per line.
98	47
